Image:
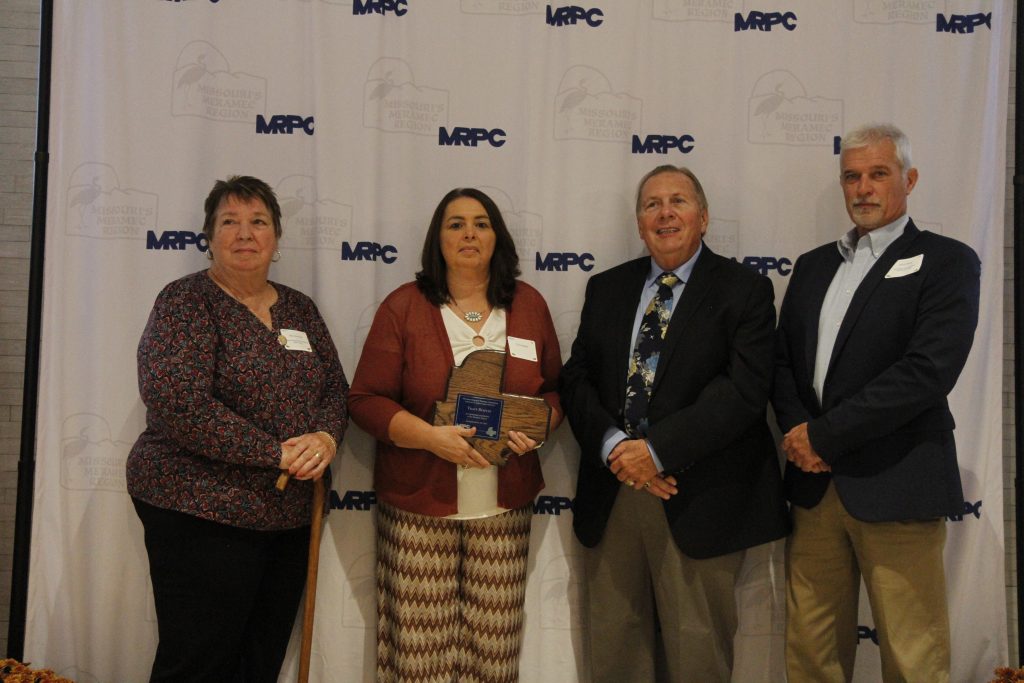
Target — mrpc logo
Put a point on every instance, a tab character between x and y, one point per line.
562	261
766	265
382	7
662	144
552	505
359	501
460	136
867	633
176	240
764	21
962	23
369	251
284	124
570	15
970	510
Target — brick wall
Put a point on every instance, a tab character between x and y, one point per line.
19	64
1009	464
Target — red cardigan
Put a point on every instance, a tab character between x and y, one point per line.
405	365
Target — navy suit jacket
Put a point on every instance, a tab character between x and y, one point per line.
707	408
883	424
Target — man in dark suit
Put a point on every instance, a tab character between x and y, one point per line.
666	391
873	334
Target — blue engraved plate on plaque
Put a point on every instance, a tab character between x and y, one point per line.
481	412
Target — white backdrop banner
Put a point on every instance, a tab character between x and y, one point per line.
362	114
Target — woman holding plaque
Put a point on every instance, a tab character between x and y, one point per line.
241	381
452	529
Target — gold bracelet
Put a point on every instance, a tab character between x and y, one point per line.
330	438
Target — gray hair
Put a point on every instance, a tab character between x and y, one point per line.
702	199
877	132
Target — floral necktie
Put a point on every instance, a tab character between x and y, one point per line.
643	364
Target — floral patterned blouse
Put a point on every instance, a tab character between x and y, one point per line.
222	393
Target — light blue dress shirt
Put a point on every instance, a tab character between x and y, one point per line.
859	255
614	435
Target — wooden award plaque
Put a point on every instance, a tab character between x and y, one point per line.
474	399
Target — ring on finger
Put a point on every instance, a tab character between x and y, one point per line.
647	484
630	483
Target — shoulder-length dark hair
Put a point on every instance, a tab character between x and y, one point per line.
246	188
432	280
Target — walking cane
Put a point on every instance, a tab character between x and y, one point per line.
311	573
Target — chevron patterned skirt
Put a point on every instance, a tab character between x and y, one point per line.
450	596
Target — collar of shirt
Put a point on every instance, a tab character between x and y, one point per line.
878	240
683	272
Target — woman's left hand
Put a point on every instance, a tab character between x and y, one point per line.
520	443
307	456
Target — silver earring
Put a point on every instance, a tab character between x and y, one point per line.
277	256
209	254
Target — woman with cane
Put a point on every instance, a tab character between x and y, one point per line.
241	380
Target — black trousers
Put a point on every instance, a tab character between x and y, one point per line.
226	598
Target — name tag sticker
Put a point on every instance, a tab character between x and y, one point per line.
522	348
294	340
905	266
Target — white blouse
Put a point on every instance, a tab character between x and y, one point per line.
477	488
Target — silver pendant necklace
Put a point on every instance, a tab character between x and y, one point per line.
468	316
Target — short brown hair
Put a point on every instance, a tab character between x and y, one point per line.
244	187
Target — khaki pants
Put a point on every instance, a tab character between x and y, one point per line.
901	563
637	578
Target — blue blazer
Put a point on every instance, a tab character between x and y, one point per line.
708	405
883	424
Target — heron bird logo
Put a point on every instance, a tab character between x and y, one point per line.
574	96
86	197
769	103
192	75
381	90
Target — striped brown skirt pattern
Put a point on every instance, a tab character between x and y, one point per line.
450	596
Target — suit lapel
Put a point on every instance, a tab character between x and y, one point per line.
867	288
820	279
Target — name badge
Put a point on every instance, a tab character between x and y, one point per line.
294	340
522	348
905	266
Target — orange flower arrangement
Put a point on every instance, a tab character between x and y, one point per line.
13	671
1007	675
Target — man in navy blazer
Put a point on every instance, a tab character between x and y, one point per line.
873	334
664	514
